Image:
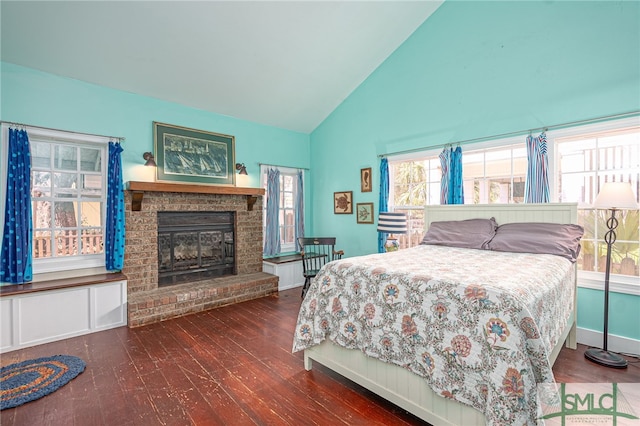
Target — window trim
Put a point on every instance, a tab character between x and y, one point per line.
43	268
617	283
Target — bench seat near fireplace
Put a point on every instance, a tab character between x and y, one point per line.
288	268
163	303
46	311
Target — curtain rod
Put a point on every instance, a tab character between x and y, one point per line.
119	138
278	165
520	132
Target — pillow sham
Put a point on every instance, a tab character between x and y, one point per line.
539	238
470	233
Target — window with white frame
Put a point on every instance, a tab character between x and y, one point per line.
581	160
68	194
491	174
584	163
286	204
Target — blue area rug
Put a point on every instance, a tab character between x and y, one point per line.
32	379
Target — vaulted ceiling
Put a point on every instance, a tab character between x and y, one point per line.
283	64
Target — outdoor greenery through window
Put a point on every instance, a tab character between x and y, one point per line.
581	160
68	190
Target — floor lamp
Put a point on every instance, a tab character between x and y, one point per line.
613	196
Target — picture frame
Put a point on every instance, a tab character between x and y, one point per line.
364	212
188	155
343	202
366	180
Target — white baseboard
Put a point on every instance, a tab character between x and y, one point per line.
290	286
615	343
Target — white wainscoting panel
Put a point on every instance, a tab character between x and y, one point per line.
61	313
34	318
110	304
6	315
289	273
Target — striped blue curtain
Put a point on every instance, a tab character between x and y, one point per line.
456	188
114	228
384	200
445	160
536	187
299	205
16	264
272	232
451	185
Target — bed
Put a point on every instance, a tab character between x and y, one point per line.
452	345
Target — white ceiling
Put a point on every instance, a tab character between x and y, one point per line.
284	64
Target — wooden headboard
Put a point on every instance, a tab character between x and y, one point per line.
504	213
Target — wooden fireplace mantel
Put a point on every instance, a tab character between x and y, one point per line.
139	188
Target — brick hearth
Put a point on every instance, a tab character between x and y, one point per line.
146	307
148	303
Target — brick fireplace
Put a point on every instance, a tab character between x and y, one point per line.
149	303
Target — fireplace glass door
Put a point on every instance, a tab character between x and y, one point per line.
195	246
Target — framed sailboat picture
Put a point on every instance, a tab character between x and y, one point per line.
193	156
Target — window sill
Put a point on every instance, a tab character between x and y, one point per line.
283	259
617	283
14	289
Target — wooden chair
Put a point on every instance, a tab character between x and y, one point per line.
315	253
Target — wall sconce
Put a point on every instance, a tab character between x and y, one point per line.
241	168
150	159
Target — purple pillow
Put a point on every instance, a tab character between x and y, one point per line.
470	233
540	238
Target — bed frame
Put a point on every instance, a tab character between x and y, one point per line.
408	390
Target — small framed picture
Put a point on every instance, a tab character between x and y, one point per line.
365	180
343	202
364	212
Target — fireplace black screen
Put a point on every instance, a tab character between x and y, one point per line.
195	246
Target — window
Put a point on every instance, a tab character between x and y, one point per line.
581	159
68	194
495	175
585	163
491	175
287	207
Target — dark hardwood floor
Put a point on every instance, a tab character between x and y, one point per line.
227	366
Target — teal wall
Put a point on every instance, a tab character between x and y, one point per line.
41	99
477	69
624	312
32	97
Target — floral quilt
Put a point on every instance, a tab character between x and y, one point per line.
477	325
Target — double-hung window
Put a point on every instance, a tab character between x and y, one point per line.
68	195
584	162
286	206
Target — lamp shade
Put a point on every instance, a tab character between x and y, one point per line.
616	195
392	223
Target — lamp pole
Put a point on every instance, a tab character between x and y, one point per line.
609	238
603	356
